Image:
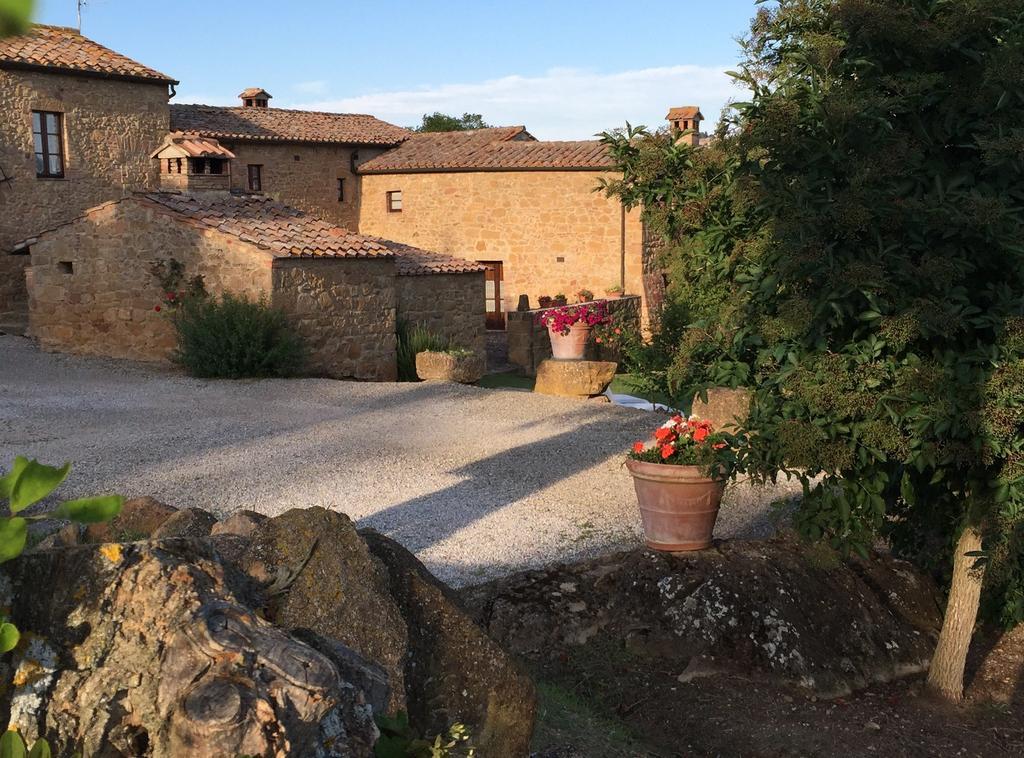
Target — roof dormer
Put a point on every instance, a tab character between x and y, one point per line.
254	97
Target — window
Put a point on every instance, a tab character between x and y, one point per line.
248	102
198	165
46	133
66	267
395	201
255	178
216	166
341	190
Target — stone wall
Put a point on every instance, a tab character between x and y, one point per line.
110	129
13	295
549	229
309	183
93	292
449	304
529	344
345	311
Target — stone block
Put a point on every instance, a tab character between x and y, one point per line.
579	379
445	367
725	407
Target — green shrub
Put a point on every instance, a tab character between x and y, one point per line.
413	339
233	336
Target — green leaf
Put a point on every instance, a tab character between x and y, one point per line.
12	745
40	750
36	482
7	480
9	636
90	510
13	532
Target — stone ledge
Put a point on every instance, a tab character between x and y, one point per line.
579	379
445	367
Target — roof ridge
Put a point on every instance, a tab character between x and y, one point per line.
272	108
72	29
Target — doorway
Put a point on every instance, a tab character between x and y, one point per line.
492	295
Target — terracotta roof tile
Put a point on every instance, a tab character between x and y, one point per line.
63	48
493	149
281	125
179	145
253	92
291	233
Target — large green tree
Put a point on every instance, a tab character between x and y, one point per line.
442	122
15	16
868	223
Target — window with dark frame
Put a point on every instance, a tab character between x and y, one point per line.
255	177
395	201
47	134
341	190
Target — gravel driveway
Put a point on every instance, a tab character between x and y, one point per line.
477	482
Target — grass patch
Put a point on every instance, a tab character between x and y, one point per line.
564	718
506	380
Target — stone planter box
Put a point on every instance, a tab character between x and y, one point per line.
578	379
445	367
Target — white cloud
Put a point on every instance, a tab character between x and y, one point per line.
560	104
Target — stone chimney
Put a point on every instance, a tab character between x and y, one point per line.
193	164
254	97
685	122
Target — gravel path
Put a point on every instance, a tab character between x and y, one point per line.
477	482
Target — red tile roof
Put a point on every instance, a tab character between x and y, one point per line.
62	48
285	232
281	125
684	111
494	149
179	145
254	92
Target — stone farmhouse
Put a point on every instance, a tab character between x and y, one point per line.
330	216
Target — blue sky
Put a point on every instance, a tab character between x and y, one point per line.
564	68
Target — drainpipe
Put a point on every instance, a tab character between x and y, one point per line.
622	247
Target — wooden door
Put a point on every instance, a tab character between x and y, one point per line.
492	295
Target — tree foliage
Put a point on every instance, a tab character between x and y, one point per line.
15	16
860	225
442	122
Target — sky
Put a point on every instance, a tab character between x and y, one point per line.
566	69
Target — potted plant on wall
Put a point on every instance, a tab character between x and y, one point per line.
545	301
569	327
679	476
584	296
614	292
561	299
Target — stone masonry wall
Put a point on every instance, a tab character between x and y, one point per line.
345	311
13	295
110	128
529	343
309	183
528	220
450	304
93	292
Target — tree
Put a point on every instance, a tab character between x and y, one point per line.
878	280
15	16
442	122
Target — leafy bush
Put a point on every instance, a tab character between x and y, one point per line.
399	740
413	339
12	745
233	336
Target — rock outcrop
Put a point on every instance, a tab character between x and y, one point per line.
269	637
770	608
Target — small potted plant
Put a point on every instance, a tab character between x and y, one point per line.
561	299
679	477
545	301
614	292
569	327
584	296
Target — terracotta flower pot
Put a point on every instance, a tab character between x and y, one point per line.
678	505
612	295
569	347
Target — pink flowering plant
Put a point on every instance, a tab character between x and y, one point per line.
561	320
689	442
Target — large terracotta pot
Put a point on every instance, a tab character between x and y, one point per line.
678	504
569	347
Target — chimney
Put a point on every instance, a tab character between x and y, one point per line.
685	122
193	164
254	97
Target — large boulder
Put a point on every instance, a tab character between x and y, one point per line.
144	649
466	368
454	672
725	408
578	379
138	519
188	522
320	577
777	609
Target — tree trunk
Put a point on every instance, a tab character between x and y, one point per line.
946	673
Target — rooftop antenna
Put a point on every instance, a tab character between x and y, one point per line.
80	4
